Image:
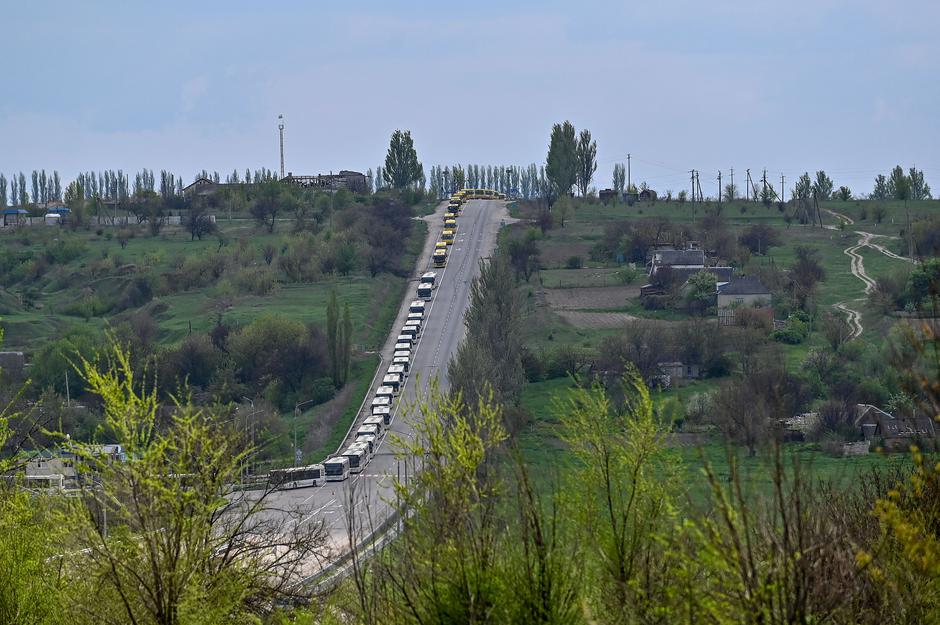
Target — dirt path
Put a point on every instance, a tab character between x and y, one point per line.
857	267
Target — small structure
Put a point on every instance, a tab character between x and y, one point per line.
898	433
12	364
647	195
679	371
690	258
15	216
607	196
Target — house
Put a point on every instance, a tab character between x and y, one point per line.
743	291
50	470
679	371
658	285
647	195
897	432
692	258
607	195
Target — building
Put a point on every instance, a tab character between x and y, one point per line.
743	291
647	195
691	258
345	179
897	432
680	371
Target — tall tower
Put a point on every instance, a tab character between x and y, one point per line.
280	130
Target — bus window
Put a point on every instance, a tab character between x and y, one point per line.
336	469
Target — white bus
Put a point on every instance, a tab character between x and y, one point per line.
403	347
358	456
430	277
416	306
414	324
368	429
410	331
381	402
336	469
425	290
415	317
384	412
397	369
393	380
402	353
367	441
297	477
384	391
376	420
405	339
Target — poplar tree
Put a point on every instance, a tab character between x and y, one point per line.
561	164
402	168
587	161
620	178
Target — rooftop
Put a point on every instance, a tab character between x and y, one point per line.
744	286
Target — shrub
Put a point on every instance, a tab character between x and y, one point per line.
574	262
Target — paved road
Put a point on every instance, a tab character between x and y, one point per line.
442	331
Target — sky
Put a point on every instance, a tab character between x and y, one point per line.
849	87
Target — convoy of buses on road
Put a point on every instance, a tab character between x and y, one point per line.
369	433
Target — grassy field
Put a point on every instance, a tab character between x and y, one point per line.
550	463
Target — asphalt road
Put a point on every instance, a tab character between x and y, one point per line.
371	492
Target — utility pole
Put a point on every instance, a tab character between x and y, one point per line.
765	185
692	184
698	186
782	188
732	184
719	188
280	130
628	173
748	171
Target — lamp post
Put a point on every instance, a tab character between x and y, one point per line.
297	454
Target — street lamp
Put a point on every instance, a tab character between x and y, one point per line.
297	454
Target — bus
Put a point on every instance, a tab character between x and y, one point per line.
393	380
450	224
402	353
336	469
411	331
381	401
384	412
358	456
440	258
450	215
368	441
448	237
297	477
416	306
405	339
377	421
401	361
413	323
425	289
385	391
429	277
368	429
402	347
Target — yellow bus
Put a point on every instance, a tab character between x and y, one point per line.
440	257
450	224
450	215
448	237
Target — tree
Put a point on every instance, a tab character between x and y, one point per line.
524	254
844	193
759	237
489	360
880	192
730	192
563	209
561	164
899	185
333	338
165	538
803	189
586	155
701	291
620	178
402	168
267	204
920	190
822	187
198	221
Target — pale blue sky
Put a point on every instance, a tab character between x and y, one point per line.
851	87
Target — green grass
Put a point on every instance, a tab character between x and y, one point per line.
550	462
